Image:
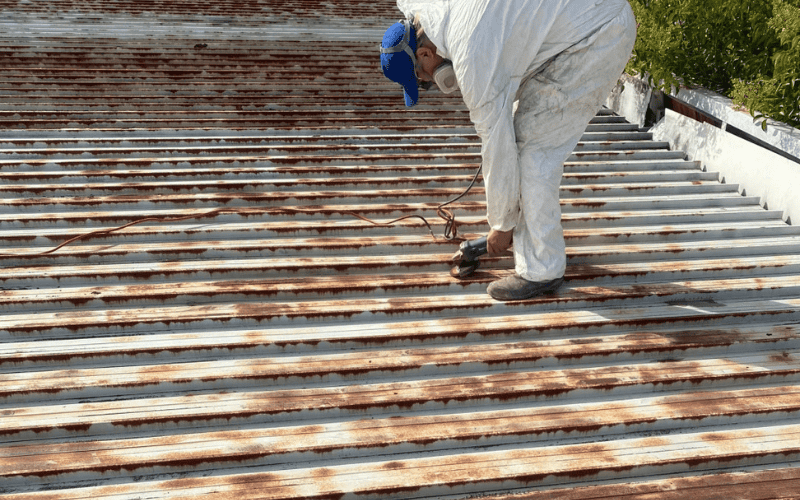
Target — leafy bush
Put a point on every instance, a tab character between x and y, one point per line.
748	50
777	95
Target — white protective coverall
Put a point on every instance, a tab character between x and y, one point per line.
559	59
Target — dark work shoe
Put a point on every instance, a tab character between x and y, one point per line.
515	288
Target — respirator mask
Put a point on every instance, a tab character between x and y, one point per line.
445	77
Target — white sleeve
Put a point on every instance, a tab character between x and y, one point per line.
494	123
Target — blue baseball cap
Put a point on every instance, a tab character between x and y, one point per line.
398	60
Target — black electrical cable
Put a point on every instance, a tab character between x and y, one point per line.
450	227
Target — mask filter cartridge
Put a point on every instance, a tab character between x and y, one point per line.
445	78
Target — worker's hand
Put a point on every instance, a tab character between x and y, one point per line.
498	241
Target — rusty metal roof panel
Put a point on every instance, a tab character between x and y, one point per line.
250	337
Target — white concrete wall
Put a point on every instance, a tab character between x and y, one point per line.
759	172
778	134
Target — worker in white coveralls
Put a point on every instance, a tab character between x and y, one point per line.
532	73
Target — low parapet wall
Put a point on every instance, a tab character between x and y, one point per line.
767	173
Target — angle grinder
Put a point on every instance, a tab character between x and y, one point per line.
466	260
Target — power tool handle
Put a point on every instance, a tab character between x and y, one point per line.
472	249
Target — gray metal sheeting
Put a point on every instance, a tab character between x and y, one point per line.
253	339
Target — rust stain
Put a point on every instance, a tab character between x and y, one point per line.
784	357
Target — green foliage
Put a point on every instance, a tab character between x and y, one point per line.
746	49
777	94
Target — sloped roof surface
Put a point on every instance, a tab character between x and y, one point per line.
251	338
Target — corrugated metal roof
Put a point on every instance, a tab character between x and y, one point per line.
291	350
